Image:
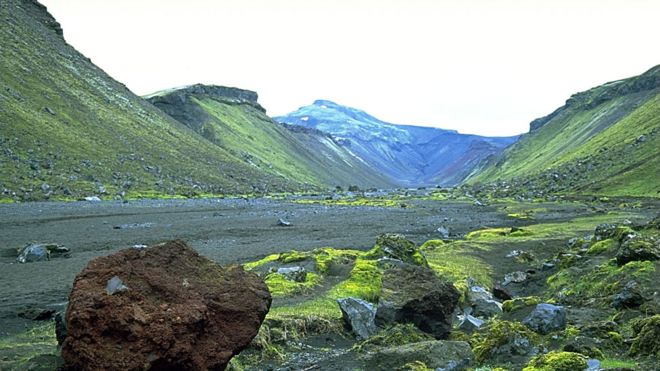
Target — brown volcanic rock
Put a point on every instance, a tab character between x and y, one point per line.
180	311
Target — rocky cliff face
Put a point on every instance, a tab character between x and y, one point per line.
408	155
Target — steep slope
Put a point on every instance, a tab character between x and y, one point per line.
68	130
409	155
602	141
233	120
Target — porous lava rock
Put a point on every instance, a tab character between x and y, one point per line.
179	311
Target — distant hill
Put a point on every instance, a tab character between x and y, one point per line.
232	119
604	141
68	130
408	155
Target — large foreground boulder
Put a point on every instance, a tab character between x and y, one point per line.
163	307
414	294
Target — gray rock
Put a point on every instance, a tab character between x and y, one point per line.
359	316
295	274
593	365
515	277
444	231
469	323
115	285
482	302
92	199
629	297
435	354
283	223
33	253
546	318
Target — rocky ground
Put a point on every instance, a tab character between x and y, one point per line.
239	230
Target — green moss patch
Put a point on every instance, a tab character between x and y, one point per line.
557	361
396	335
499	333
608	245
600	281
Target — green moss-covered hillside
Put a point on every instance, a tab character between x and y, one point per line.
68	130
233	120
603	141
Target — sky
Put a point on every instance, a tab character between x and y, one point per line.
481	67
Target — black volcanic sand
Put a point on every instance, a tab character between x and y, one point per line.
225	230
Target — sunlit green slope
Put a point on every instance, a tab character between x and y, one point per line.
233	120
603	141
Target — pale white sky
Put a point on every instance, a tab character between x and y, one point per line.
484	66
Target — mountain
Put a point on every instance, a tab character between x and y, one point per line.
408	155
233	120
604	141
68	130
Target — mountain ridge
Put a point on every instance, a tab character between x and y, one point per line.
409	155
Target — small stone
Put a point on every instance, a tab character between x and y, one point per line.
283	223
593	365
547	266
629	297
115	285
49	110
515	277
37	314
33	253
295	274
501	293
444	231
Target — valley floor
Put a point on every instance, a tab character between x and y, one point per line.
243	230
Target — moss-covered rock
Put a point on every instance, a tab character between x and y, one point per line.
516	304
398	334
608	245
280	286
557	361
638	249
396	246
647	340
503	340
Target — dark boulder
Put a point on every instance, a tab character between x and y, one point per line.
629	297
179	311
638	249
500	292
414	294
